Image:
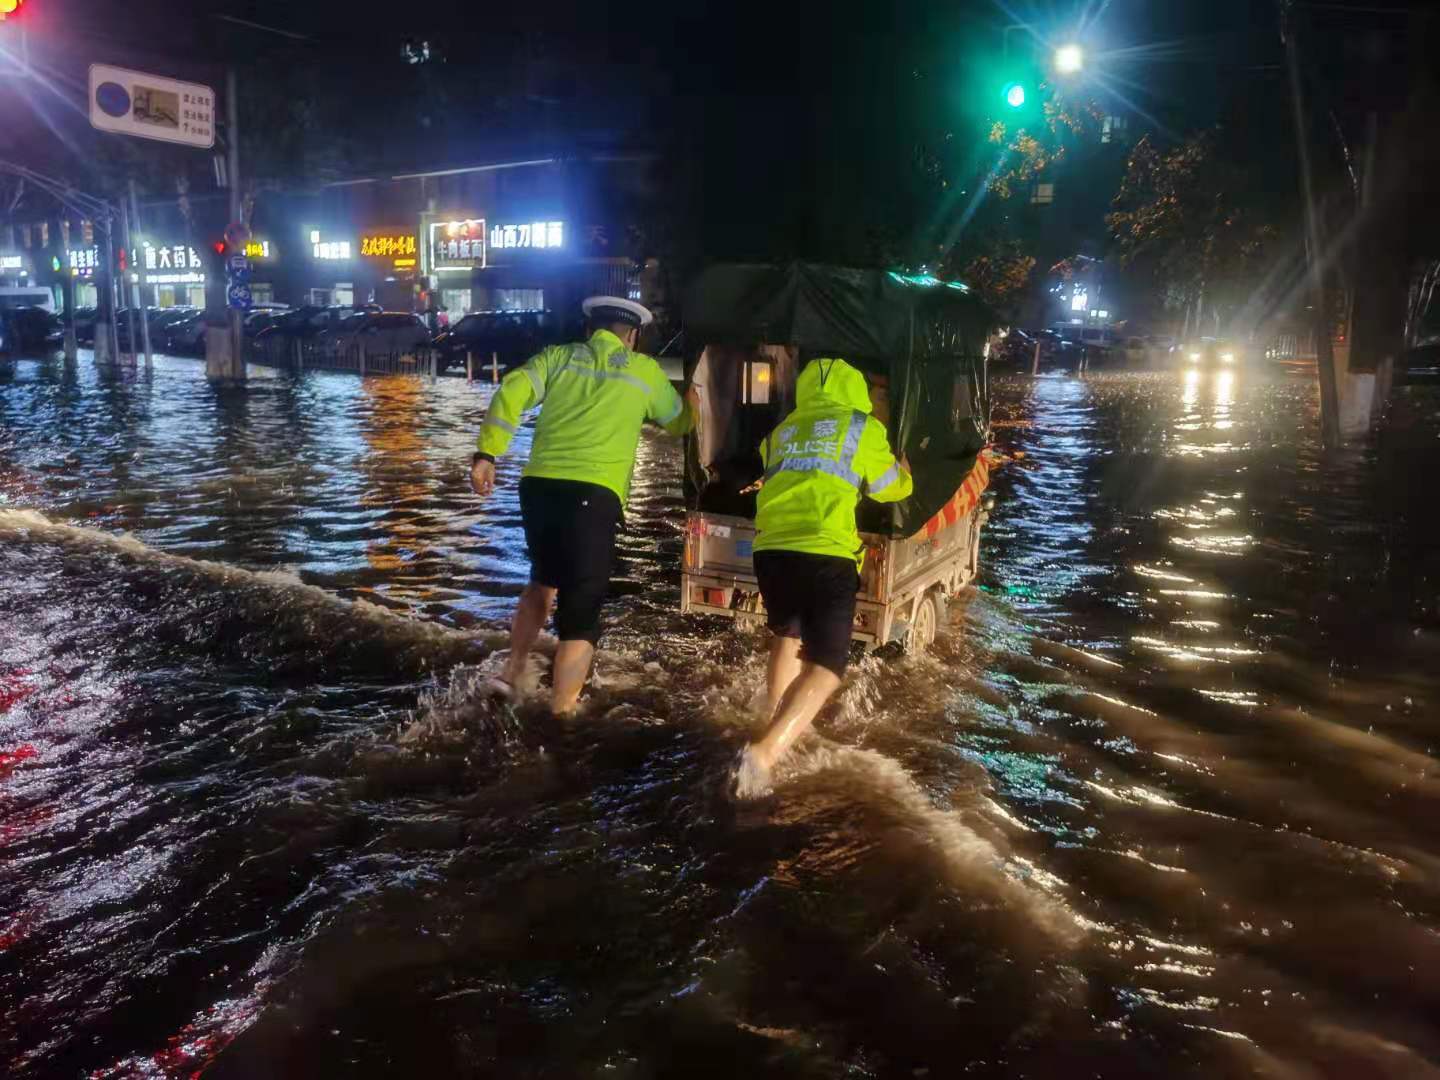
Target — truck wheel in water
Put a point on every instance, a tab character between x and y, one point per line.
925	623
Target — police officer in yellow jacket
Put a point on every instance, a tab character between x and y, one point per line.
818	463
595	396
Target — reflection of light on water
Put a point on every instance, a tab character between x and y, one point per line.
1193	652
1215	545
1192	387
1245	698
1196	594
1163	575
1225	389
1122	704
1175	946
1194	513
1199	450
1178	760
1162	867
1196	624
1134	794
1200	1003
1220	1031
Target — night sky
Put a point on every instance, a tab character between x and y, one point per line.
792	130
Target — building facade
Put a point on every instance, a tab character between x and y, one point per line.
533	235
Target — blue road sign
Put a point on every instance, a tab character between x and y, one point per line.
238	296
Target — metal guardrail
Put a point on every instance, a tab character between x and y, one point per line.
298	354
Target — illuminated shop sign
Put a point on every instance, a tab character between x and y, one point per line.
457	244
528	234
83	261
190	277
328	249
399	248
257	249
12	262
175	258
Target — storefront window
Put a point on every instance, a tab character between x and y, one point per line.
756	390
261	293
456	302
519	299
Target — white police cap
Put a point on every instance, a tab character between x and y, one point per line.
615	310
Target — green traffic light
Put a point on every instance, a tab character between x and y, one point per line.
1014	95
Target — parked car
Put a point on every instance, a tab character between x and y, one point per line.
303	322
385	332
258	319
187	334
512	336
84	320
30	329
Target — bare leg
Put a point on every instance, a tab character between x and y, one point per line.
572	667
799	707
531	614
784	669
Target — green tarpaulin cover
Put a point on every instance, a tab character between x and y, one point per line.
925	336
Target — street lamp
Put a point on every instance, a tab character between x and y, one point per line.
1069	59
1014	95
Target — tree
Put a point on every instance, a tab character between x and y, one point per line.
996	265
1189	217
1030	150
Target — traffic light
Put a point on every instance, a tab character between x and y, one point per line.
1015	95
8	8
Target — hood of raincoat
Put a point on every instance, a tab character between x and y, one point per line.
832	380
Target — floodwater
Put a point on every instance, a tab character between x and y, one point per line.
1162	802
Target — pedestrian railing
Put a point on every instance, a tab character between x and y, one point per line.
1284	347
300	354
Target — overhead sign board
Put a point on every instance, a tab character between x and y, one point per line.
151	106
457	244
399	248
528	234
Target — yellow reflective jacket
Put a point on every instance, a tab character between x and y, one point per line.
596	396
818	463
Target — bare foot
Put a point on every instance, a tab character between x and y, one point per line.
751	776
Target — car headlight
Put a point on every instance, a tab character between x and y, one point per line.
1227	357
1194	357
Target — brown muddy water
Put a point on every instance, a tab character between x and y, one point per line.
1162	802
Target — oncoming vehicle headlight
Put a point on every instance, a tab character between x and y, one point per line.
1227	357
1194	358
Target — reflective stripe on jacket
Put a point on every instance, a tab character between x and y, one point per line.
818	463
596	395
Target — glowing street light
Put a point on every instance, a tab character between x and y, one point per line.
1015	95
1069	59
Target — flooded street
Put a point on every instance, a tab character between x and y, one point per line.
1162	802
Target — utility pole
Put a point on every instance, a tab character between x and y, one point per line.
232	124
1324	346
225	343
144	322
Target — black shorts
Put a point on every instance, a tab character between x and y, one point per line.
811	597
570	530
